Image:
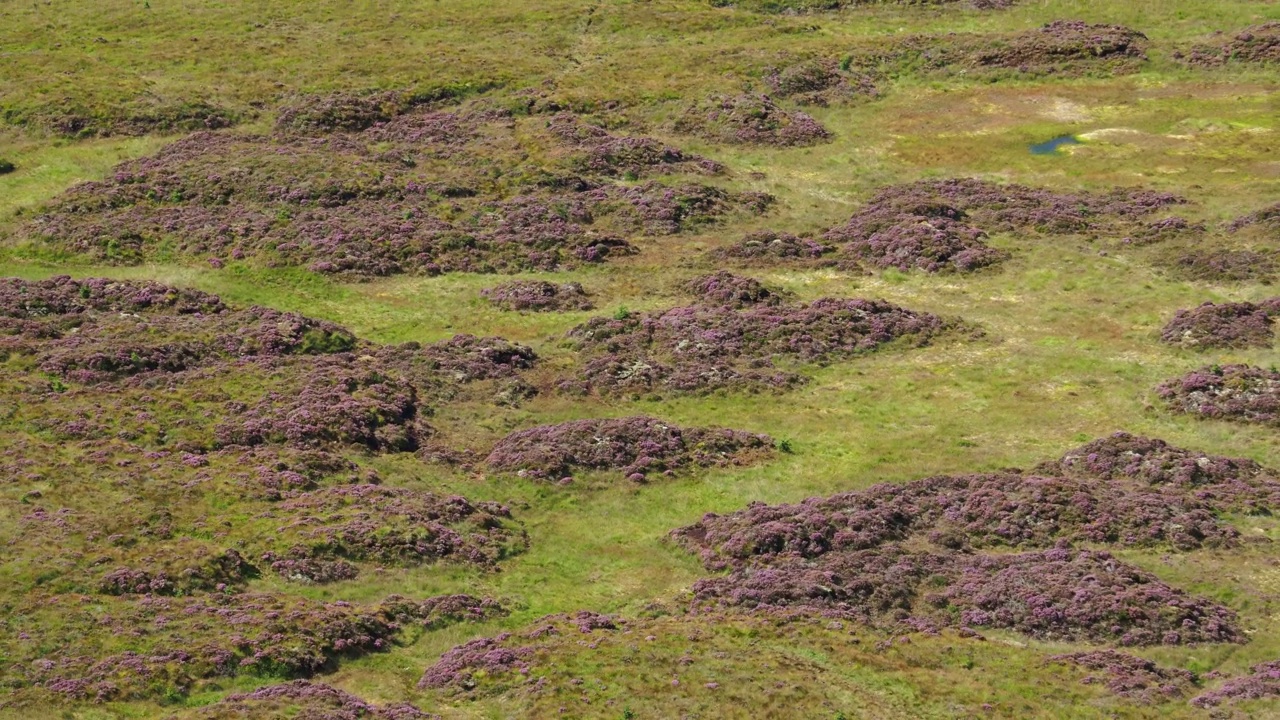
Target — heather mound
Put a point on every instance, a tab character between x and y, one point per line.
538	296
1222	325
724	289
603	153
751	120
923	550
310	700
635	446
460	667
172	652
1058	594
818	82
1129	677
1263	682
1222	265
421	192
1243	393
795	7
769	247
1258	44
704	347
1060	48
936	225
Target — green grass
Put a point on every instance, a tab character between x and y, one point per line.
1070	350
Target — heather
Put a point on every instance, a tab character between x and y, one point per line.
1221	325
312	700
265	635
538	296
507	653
769	248
1130	677
1255	44
420	192
704	348
1060	48
751	120
789	7
634	446
925	551
724	289
1222	265
1241	393
1262	682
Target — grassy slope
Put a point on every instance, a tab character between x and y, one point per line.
1070	352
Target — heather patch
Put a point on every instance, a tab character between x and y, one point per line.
465	358
751	120
1223	265
1129	677
1268	217
606	154
185	570
494	657
538	296
923	550
704	347
818	82
1257	44
351	112
171	649
306	699
635	446
724	289
1058	594
1222	325
1263	682
389	525
795	7
1060	48
937	225
1242	393
417	192
769	247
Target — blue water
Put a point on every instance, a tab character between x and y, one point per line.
1050	147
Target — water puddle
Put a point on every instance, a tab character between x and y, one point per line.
1050	147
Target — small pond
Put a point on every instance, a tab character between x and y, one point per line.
1050	147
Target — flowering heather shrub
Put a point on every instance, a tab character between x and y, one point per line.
466	357
61	295
340	401
1223	266
181	575
1130	677
1063	47
637	446
996	207
1264	682
393	525
794	7
724	289
819	82
253	633
1267	217
751	120
610	155
768	246
1058	594
458	666
461	666
442	610
421	192
666	210
1243	393
703	348
1255	44
340	111
1222	325
538	296
309	700
917	242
